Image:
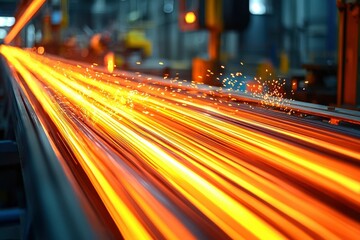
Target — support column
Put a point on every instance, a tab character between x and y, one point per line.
348	92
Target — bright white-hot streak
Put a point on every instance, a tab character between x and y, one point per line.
172	163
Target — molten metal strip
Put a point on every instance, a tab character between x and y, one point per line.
28	13
172	165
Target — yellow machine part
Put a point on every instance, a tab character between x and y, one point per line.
136	39
213	15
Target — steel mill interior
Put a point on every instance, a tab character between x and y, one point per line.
179	119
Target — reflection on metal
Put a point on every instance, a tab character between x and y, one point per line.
23	19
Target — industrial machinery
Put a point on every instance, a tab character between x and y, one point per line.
216	17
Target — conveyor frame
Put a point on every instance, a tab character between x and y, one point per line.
55	208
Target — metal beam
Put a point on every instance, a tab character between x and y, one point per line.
348	93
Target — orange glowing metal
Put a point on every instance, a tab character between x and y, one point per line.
228	171
28	13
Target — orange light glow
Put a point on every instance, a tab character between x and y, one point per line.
29	12
175	163
109	61
294	85
40	50
190	17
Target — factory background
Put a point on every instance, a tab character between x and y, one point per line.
306	30
292	38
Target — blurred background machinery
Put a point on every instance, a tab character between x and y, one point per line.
298	41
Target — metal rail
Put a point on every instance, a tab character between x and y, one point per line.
56	207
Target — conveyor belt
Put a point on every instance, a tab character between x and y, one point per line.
173	161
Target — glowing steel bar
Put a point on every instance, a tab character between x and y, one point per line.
165	163
28	13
